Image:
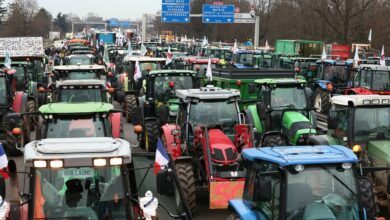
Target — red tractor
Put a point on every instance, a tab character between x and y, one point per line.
206	142
14	128
370	79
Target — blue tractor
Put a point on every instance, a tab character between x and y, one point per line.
304	182
333	77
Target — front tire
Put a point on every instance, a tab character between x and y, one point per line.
150	136
129	106
187	181
273	141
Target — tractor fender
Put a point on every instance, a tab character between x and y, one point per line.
242	210
184	159
19	103
254	118
116	124
317	140
322	83
173	145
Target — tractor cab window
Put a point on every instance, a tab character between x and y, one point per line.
375	80
325	192
337	74
371	123
80	95
76	75
339	114
20	76
246	59
80	61
262	189
290	97
161	84
153	66
81	127
3	91
94	193
214	113
227	55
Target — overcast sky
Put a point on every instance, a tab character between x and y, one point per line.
121	9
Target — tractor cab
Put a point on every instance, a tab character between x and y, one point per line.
306	67
199	64
94	178
243	59
87	59
371	79
78	72
78	91
303	182
284	108
78	120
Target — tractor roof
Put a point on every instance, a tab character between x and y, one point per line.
282	81
336	62
294	155
208	93
172	72
79	67
374	67
77	152
144	59
75	108
86	82
80	55
361	100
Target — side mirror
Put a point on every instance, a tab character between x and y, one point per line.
332	122
165	182
251	88
164	114
261	110
263	192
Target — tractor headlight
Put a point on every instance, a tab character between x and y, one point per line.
56	163
40	163
346	166
116	161
99	162
299	168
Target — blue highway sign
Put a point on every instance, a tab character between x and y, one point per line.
218	13
175	11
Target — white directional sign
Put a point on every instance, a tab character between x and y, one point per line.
247	18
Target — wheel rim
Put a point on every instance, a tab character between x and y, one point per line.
318	102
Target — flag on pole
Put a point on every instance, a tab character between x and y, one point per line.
162	158
129	49
137	71
235	48
143	49
266	47
323	55
3	163
356	57
382	61
159	39
209	73
370	36
205	41
169	56
7	61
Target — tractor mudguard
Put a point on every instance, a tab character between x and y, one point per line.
322	83
116	124
184	159
19	103
242	210
173	144
254	118
223	191
243	136
317	140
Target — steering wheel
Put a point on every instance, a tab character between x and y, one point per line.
334	201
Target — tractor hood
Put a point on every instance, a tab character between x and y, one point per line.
379	152
221	147
296	127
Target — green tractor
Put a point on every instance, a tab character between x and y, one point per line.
361	122
159	105
283	115
244	81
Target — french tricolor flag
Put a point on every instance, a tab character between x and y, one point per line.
3	162
162	158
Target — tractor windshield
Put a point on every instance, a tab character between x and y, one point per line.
336	74
94	193
80	127
80	61
326	192
290	97
161	84
153	66
214	113
76	75
80	95
3	91
246	59
371	123
20	77
375	80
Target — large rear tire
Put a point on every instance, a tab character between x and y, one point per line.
130	106
150	136
32	107
321	101
187	181
233	217
273	141
367	195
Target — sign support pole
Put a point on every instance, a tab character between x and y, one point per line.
257	31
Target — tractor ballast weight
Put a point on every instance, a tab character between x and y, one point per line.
297	178
206	148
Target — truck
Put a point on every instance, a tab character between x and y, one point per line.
304	182
303	48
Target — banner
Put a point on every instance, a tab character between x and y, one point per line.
22	46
